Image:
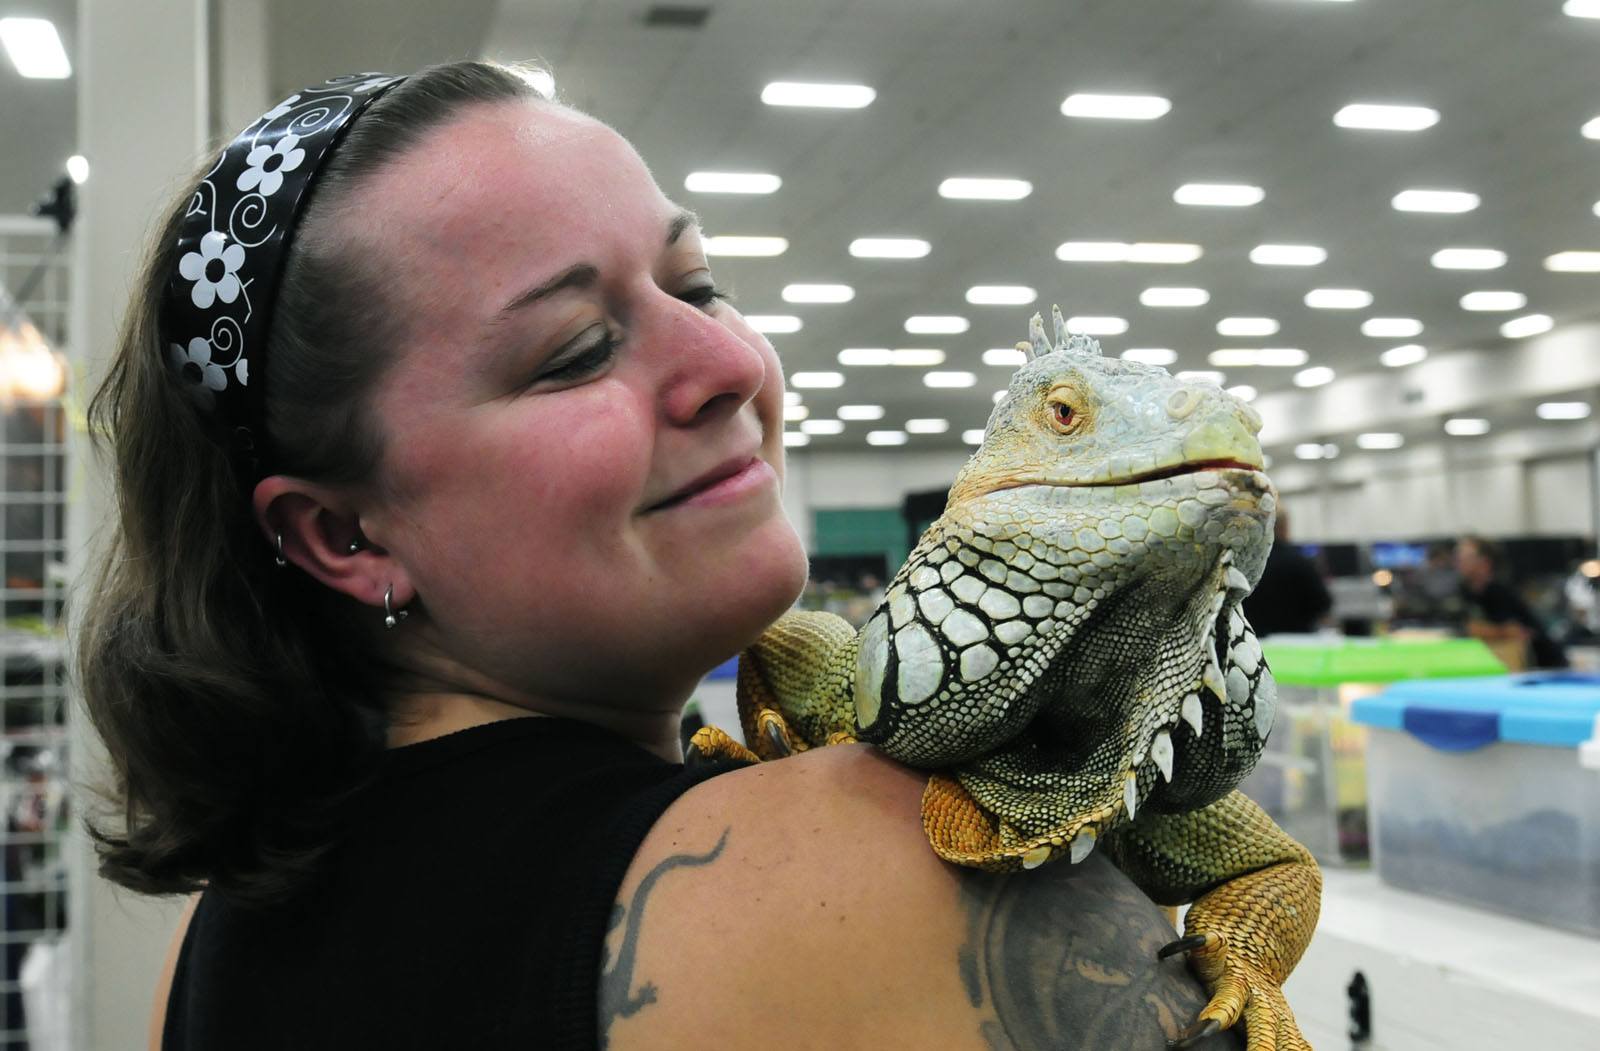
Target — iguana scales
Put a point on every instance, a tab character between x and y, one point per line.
1064	650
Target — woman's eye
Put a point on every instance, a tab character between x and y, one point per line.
703	296
589	362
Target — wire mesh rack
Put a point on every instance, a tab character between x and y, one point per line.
34	310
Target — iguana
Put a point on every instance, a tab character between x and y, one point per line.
1065	651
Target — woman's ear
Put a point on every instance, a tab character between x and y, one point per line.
321	534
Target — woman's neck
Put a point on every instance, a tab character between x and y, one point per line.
422	716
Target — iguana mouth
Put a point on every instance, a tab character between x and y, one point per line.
1192	467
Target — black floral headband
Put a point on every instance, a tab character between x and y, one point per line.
232	245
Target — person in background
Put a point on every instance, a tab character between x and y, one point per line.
1493	609
1291	596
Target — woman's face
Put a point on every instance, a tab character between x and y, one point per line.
526	461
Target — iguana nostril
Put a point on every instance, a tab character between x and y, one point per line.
1182	403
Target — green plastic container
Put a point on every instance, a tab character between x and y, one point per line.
1312	776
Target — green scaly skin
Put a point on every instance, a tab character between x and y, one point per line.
1065	649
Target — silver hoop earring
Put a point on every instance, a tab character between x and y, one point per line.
391	616
278	541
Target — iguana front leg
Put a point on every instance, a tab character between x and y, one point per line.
1256	895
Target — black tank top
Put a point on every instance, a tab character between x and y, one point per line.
466	907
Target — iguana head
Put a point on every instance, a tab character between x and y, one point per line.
1067	636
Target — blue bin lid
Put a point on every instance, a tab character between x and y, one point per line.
728	669
1548	708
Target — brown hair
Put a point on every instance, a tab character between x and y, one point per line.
240	702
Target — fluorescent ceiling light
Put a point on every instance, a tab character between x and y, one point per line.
35	48
1380	440
793	413
860	412
1243	391
1315	451
1088	325
78	168
1527	325
949	379
889	248
1442	201
817	379
936	325
965	189
1563	410
1493	301
1006	356
1121	252
773	324
1596	208
1201	376
1391	327
1247	326
922	357
818	293
1315	376
1288	255
866	356
731	182
1115	107
1373	117
791	397
826	96
998	396
1581	8
1174	297
1001	295
1277	357
1469	259
745	246
886	437
927	426
822	426
1218	195
1400	357
1150	355
1591	130
973	437
1466	426
793	439
1338	298
1574	262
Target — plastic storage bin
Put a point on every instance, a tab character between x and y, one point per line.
1311	777
1479	793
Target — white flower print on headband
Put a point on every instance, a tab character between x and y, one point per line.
201	376
213	269
268	163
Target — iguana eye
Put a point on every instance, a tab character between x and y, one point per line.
1065	417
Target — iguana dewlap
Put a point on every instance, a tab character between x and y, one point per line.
1065	651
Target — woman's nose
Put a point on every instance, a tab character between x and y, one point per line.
711	371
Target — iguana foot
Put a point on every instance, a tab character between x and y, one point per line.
1238	990
710	743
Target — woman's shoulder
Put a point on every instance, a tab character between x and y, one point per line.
798	903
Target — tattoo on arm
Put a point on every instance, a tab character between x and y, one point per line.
616	982
1065	958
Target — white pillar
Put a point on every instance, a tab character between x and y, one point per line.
143	116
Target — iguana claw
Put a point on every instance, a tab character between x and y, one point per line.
1193	941
1196	1033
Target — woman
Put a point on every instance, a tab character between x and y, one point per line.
409	593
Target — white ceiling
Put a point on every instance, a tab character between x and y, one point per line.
973	87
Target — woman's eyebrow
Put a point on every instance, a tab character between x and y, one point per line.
582	275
